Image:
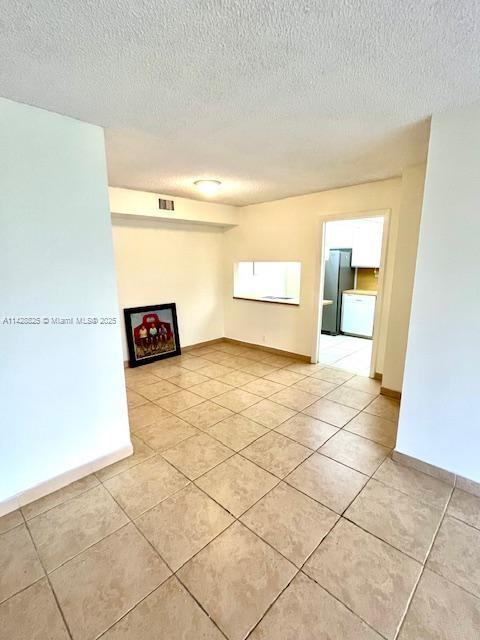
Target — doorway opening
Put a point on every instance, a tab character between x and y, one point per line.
350	294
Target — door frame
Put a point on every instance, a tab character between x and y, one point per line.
320	276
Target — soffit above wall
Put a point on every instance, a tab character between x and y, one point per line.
132	205
274	99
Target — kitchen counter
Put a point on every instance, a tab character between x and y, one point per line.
360	292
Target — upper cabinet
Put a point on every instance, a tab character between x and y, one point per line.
363	236
367	243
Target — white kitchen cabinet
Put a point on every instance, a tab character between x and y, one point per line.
367	243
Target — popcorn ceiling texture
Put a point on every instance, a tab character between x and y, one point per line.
274	98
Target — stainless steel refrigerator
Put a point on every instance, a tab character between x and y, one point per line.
339	276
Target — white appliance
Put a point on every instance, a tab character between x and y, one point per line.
358	312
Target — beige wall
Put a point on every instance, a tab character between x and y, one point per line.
403	275
144	204
192	264
161	262
290	230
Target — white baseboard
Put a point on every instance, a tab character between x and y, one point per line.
62	480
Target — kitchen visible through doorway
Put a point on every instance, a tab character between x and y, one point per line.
352	263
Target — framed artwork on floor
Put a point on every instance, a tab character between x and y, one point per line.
152	333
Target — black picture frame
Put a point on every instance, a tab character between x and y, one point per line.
161	339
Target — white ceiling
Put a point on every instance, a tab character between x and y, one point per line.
274	98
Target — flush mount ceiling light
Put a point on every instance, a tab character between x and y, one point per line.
208	187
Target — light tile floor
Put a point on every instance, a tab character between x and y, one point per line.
261	501
346	352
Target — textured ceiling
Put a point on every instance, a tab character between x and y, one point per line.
274	98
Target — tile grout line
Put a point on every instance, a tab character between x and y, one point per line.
297	412
235	452
67	627
81	493
458	519
424	565
374	535
13	595
428	504
88	546
281	479
206	430
211	378
132	466
447	515
337	523
292	385
269	429
404	493
379	464
157	553
21	524
157	503
300	570
237	519
342	515
130	521
172	573
239	453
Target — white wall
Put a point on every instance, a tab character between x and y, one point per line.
63	397
290	230
158	262
413	179
440	414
